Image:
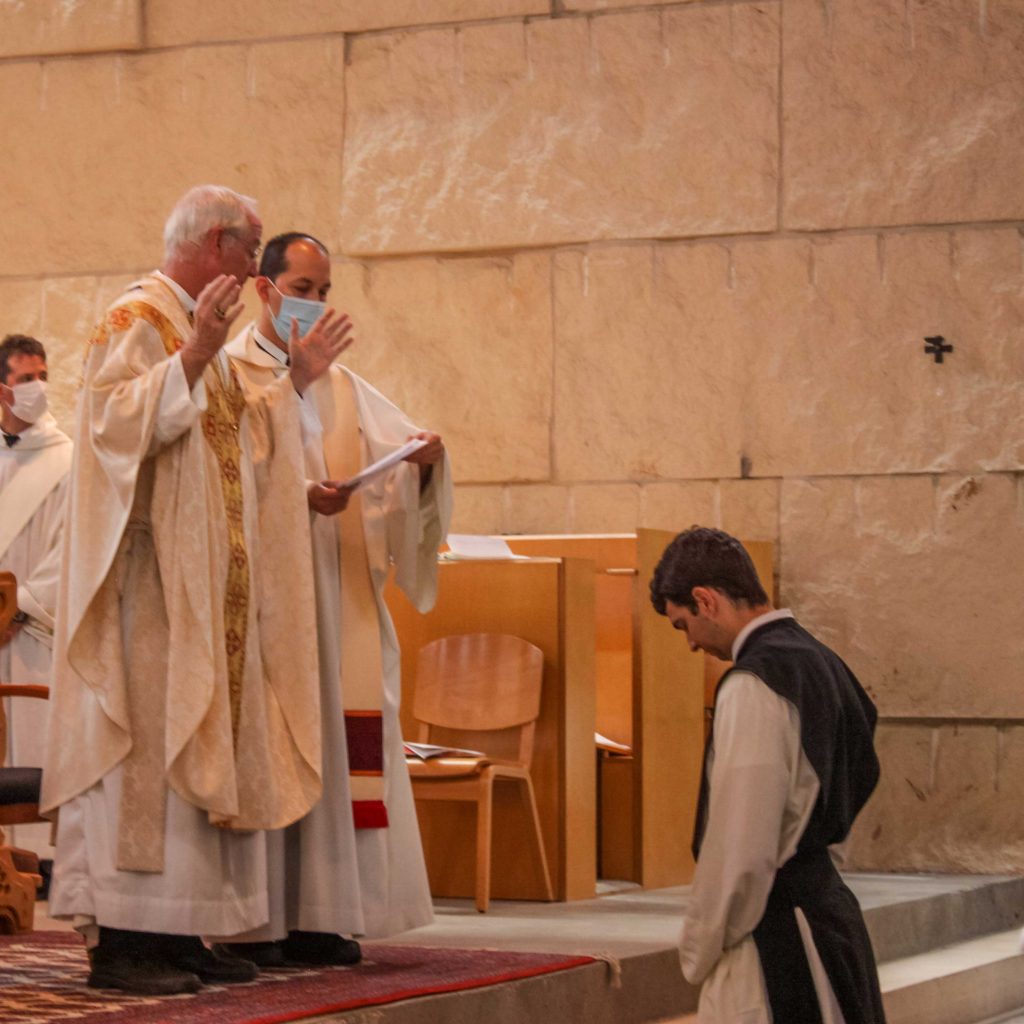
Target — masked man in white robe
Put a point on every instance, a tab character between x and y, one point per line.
770	931
35	457
354	865
185	714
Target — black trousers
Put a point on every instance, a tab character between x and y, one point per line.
810	881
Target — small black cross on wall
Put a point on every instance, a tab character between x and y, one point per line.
936	347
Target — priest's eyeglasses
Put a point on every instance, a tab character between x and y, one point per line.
253	250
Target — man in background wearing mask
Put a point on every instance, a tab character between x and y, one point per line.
35	457
354	864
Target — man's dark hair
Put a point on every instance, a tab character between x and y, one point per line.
703	557
273	262
18	345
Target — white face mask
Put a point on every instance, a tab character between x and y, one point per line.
29	400
305	311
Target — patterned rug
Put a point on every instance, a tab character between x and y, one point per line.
42	979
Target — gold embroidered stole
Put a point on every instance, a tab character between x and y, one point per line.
221	422
120	318
362	674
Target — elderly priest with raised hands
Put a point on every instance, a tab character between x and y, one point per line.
185	718
770	930
354	865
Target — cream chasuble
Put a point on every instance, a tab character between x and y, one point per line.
185	579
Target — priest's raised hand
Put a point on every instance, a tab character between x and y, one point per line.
311	355
217	308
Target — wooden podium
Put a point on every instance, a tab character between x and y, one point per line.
550	603
649	697
653	694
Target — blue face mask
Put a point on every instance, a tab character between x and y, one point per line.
305	312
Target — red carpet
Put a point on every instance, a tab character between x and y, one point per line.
42	979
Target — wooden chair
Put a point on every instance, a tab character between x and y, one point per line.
19	799
481	691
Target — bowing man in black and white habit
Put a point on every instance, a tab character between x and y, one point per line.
770	930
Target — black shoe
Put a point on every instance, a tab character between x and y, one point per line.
46	872
130	961
321	949
187	953
262	954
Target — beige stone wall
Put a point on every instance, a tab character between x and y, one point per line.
642	264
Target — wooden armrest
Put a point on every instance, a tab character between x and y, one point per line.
24	690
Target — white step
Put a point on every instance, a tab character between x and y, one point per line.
960	983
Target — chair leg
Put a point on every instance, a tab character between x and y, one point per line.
483	843
531	809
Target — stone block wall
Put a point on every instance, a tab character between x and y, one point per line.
641	263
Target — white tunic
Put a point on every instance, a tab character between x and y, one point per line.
326	875
762	792
34	558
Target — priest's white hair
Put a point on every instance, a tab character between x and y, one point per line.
203	208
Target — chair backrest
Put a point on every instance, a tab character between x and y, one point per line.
19	787
16	690
8	598
480	683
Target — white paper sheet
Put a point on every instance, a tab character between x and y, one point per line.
428	751
387	462
470	545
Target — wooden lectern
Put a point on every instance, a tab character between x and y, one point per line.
649	698
653	696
